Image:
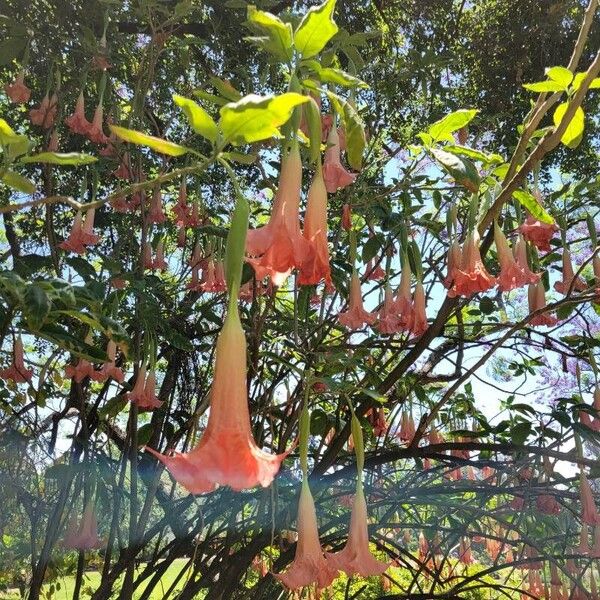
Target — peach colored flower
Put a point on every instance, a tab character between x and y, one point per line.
407	427
374	272
356	316
143	393
181	207
464	551
520	253
538	232
537	300
156	213
213	277
547	504
109	369
310	564
81	234
589	513
346	217
17	370
403	300
18	92
454	262
85	535
569	282
54	141
356	557
419	321
335	175
378	421
227	453
387	319
80	371
45	114
512	274
95	132
472	276
278	247
316	266
77	122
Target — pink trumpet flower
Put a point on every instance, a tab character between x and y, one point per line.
156	213
407	427
82	233
346	217
227	453
547	504
589	512
379	422
335	175
18	92
513	273
77	122
454	262
569	282
472	276
538	232
85	535
537	300
464	551
279	246
80	371
17	371
159	263
181	207
214	277
356	316
316	267
45	114
143	393
310	564
110	370
403	300
419	322
356	557
387	319
95	132
374	272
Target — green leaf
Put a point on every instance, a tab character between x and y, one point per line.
36	306
57	158
7	134
442	129
18	182
490	159
533	206
225	89
462	170
316	29
278	39
238	157
236	245
353	128
574	131
200	121
255	118
561	75
313	118
333	75
544	86
143	139
520	432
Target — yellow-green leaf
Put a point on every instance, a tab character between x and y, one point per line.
56	158
316	29
532	205
255	118
443	129
143	139
7	134
200	121
544	86
353	128
561	75
574	132
278	38
332	75
18	182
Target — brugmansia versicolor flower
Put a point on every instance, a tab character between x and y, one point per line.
109	369
454	261
538	232
310	564
80	371
513	273
387	320
227	453
45	114
356	316
85	535
316	267
77	122
18	92
143	393
569	282
156	213
589	512
335	175
471	277
374	272
403	300
279	246
346	217
17	370
419	322
82	233
95	132
537	300
356	557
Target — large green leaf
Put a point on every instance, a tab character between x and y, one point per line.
56	158
255	118
443	129
143	139
333	75
316	29
544	86
17	182
561	75
532	205
200	121
278	35
36	306
574	131
461	169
